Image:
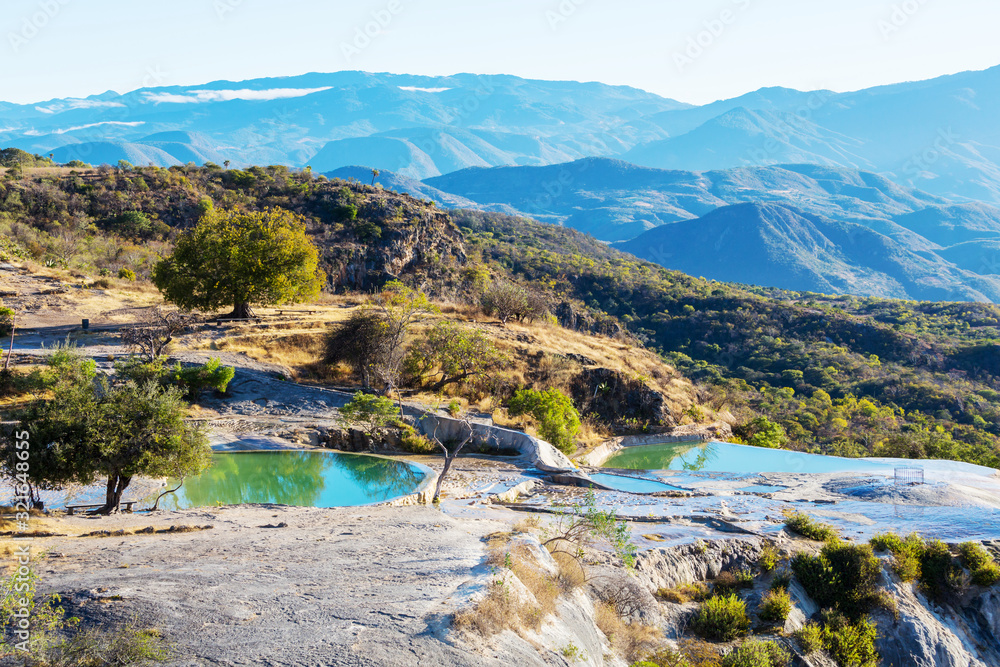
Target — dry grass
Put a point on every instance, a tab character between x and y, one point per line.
685	593
632	641
571	571
500	609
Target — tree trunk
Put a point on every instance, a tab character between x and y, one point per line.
116	488
448	458
241	311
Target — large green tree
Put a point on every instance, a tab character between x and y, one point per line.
91	428
241	259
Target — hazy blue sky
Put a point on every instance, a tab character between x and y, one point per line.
58	48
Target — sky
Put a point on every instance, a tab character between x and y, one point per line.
695	51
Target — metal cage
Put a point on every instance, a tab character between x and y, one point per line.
909	476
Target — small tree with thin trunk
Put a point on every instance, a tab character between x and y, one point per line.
368	412
451	353
450	452
153	331
241	259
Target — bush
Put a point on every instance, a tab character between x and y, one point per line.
939	574
906	553
770	557
413	442
762	432
775	606
804	525
973	555
194	380
126	274
559	422
684	593
781	579
722	618
810	638
369	412
729	581
852	645
844	576
6	320
987	575
756	653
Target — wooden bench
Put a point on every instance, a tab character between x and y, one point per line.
71	509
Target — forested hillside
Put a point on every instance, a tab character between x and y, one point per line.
847	375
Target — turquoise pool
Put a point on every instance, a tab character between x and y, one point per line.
728	458
303	479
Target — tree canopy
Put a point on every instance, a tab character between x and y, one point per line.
92	428
241	259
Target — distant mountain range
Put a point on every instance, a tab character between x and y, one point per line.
802	227
888	191
940	135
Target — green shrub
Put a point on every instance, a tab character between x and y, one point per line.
810	637
413	442
906	553
781	579
987	575
770	557
756	653
6	320
722	618
558	420
939	574
775	606
852	645
843	576
802	524
973	555
454	408
194	380
369	412
126	274
762	432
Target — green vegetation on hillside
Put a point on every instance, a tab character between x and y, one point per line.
842	375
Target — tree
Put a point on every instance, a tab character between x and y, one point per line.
450	453
504	300
762	432
362	341
558	420
452	353
399	307
241	259
375	173
92	428
153	332
369	412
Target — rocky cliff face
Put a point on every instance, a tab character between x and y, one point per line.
392	235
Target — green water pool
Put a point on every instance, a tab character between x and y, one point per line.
303	479
730	458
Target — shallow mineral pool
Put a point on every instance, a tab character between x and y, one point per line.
724	457
303	479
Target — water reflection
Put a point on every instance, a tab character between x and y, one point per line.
303	479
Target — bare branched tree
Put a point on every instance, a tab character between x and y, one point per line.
153	332
450	453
